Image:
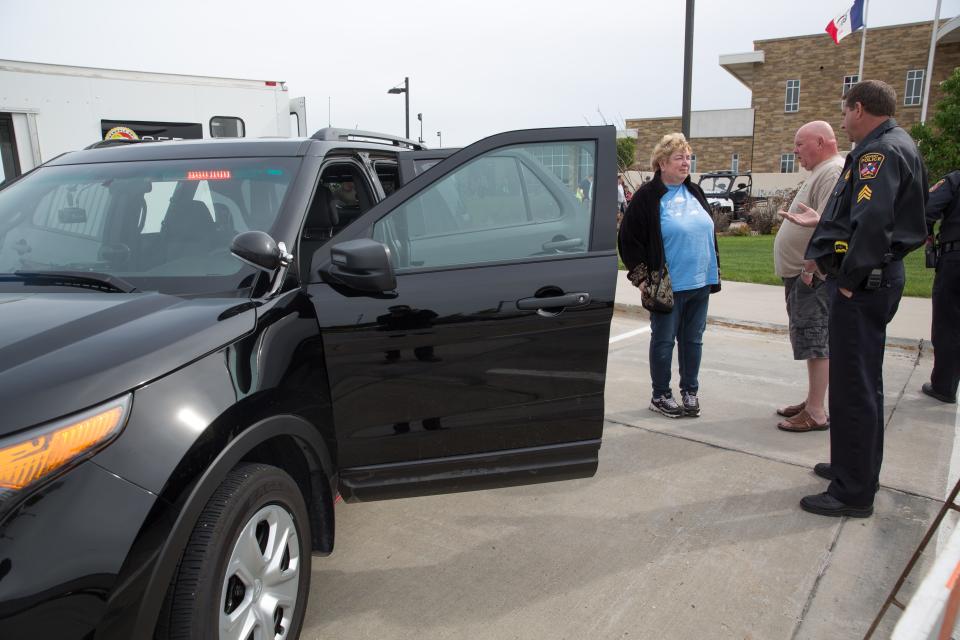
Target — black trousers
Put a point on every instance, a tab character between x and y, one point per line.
946	320
858	333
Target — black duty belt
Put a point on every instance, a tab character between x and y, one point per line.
947	247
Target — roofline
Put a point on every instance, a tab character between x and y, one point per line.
824	33
692	112
948	27
23	66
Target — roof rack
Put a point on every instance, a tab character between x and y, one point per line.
355	135
113	142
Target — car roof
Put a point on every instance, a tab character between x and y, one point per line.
215	148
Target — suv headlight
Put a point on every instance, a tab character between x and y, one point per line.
30	457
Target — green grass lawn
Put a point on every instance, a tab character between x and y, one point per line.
750	259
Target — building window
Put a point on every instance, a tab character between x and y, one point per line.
792	102
735	163
788	163
693	163
912	95
848	82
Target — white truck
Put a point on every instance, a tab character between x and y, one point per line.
47	109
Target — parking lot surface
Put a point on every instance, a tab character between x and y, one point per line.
690	529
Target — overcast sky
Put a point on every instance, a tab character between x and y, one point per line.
475	68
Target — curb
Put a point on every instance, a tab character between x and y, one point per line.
909	344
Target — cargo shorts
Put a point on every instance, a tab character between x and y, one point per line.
808	313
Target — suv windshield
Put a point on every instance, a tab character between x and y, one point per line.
162	225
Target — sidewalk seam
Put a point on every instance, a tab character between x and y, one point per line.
824	565
905	492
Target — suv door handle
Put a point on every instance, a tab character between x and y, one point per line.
554	303
557	245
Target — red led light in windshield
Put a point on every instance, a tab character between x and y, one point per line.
215	174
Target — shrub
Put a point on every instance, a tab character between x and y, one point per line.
763	218
739	230
721	220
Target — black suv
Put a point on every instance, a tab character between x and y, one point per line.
204	343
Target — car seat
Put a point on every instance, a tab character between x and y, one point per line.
188	230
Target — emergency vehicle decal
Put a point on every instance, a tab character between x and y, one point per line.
870	165
121	133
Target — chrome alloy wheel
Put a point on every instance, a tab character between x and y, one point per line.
260	584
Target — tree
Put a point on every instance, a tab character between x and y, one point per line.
939	139
626	153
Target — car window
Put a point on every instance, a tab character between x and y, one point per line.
512	203
163	225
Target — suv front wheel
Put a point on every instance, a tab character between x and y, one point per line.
245	572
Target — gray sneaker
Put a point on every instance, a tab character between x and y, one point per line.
691	405
666	405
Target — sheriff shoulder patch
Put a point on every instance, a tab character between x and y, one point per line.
870	165
865	194
936	186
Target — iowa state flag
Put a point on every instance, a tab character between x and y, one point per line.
846	23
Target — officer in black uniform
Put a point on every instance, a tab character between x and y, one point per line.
874	218
944	203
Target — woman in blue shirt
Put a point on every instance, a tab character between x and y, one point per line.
667	225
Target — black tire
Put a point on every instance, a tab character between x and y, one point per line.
201	589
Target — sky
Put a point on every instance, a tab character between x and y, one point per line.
475	68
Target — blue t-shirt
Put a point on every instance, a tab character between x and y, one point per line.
687	231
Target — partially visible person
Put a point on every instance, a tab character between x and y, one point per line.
944	205
586	186
808	300
874	218
667	236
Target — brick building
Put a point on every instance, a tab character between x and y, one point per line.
799	79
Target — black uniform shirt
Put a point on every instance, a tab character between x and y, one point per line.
877	207
944	203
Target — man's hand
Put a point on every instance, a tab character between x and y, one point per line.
806	217
808	271
846	292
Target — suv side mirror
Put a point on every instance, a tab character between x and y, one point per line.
259	250
363	265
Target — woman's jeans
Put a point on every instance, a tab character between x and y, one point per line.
684	325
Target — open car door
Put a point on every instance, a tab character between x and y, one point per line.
479	359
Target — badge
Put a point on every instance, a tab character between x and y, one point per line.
865	194
870	165
121	133
936	186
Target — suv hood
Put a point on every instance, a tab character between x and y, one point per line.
61	353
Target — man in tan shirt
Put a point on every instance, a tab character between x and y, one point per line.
808	306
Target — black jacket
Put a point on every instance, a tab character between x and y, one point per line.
944	204
877	207
639	240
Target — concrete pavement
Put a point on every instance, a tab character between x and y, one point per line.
690	529
762	306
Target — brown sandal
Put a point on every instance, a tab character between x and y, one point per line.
791	410
803	421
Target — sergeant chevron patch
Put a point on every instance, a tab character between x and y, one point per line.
865	194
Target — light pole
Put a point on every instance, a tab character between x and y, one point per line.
420	118
440	144
405	89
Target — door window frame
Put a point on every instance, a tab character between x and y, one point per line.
602	230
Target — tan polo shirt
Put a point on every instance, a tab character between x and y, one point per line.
792	239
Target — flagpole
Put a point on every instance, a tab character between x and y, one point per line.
863	39
929	74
